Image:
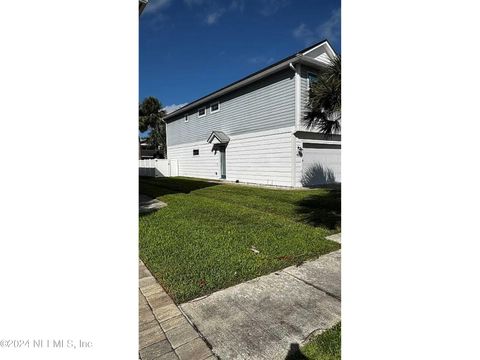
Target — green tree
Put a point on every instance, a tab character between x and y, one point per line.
324	105
151	115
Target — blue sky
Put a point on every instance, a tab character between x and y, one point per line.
189	48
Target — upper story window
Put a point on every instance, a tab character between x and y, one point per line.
186	118
311	79
202	111
196	152
215	107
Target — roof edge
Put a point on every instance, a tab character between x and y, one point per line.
247	79
237	84
220	136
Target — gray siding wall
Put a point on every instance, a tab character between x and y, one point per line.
264	105
303	88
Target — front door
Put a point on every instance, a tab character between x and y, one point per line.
223	163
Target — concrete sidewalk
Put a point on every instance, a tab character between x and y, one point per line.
270	316
165	333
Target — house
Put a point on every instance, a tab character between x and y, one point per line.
142	4
251	131
148	151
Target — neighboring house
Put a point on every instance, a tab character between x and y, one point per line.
148	151
252	131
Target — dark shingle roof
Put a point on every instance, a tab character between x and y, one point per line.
220	135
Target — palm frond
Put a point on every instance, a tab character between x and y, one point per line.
324	105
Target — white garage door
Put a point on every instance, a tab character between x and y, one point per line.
321	164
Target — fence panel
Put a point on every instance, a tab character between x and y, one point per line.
173	167
158	167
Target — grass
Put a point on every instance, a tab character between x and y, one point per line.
326	346
201	242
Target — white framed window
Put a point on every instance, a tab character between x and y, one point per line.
196	152
186	118
202	111
311	79
215	107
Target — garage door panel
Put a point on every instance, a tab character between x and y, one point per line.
321	164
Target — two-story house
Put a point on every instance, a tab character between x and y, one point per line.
252	131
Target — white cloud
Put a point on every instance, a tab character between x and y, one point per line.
171	108
330	30
263	60
237	5
302	32
270	7
212	10
213	17
155	6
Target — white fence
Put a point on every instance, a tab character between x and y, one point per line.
158	167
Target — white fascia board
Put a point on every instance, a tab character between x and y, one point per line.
312	62
329	49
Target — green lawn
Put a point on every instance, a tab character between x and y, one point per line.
201	241
326	346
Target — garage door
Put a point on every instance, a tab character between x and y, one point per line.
321	164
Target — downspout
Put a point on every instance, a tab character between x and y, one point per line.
297	122
297	85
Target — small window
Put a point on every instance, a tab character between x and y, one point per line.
201	112
311	79
196	152
214	107
186	118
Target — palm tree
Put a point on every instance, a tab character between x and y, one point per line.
324	104
151	116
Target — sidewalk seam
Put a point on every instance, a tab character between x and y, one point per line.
315	286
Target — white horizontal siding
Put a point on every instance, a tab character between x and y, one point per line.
205	165
262	158
319	54
298	163
323	58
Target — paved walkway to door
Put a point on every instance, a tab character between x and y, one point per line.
165	333
271	316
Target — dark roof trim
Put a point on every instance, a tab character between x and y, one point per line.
314	45
309	135
141	5
295	56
